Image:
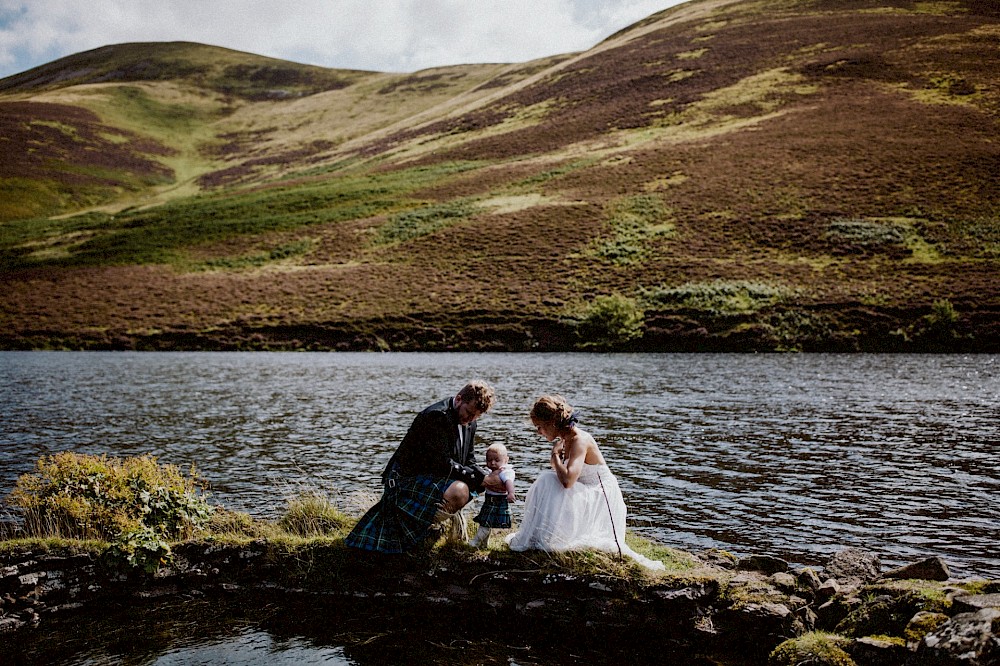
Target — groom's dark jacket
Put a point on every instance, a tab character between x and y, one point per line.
436	444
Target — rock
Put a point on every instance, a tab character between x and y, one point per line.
719	558
921	624
828	589
10	624
765	563
809	580
815	649
970	603
854	565
871	651
932	568
30	580
784	581
971	639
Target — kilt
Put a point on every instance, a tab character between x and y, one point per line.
403	517
495	512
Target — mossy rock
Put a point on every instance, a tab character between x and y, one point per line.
819	648
884	615
922	624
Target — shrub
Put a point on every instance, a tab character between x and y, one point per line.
942	317
411	224
867	232
611	321
95	497
718	297
143	548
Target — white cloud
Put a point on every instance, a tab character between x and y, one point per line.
383	35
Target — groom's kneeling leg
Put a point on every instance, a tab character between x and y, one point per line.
456	497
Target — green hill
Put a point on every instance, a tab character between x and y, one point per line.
723	175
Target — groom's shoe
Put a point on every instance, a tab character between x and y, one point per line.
454	526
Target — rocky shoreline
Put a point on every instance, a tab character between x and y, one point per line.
753	610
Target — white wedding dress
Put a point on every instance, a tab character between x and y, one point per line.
589	514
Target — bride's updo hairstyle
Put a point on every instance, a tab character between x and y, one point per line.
554	410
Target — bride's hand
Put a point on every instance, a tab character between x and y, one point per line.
558	448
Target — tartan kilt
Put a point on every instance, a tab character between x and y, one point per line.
403	517
495	512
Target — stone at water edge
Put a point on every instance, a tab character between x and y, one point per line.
931	568
853	565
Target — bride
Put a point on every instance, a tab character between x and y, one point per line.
577	504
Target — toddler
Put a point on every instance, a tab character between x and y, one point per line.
496	506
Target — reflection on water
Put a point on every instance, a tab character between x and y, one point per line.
251	630
790	455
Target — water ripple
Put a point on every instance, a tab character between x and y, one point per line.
793	455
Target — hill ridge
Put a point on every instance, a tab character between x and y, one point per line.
786	174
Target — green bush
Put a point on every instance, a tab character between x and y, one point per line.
611	321
95	497
942	317
718	297
411	224
867	232
141	548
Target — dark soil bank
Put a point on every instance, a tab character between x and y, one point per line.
729	611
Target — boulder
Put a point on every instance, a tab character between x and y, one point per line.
872	651
718	558
970	639
809	580
921	624
970	603
853	565
765	563
932	568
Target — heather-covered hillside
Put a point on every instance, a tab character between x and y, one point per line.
724	175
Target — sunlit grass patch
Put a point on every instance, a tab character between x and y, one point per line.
719	296
635	222
876	232
411	224
313	513
766	90
692	55
158	235
283	252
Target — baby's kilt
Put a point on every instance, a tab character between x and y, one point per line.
495	512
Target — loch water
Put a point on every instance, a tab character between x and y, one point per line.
795	455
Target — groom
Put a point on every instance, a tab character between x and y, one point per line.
431	476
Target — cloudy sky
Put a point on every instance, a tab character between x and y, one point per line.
380	35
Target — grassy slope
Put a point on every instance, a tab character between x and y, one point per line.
755	175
